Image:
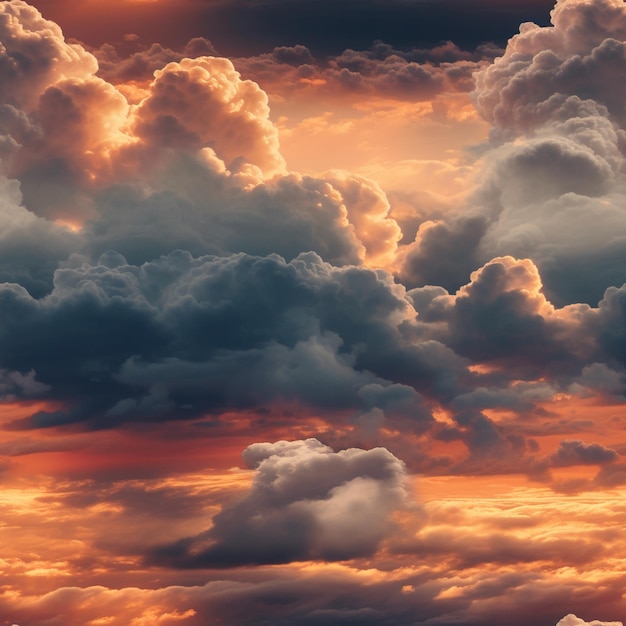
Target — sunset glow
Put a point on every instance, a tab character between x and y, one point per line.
312	313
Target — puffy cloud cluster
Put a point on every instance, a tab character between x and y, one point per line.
553	175
203	103
580	55
306	502
326	595
35	55
382	70
130	61
181	335
194	154
201	209
420	73
576	452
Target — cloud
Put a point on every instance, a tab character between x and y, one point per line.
572	620
132	61
367	210
79	123
306	502
35	55
442	254
502	315
180	336
205	212
30	247
172	292
16	384
553	168
580	56
571	452
201	103
383	70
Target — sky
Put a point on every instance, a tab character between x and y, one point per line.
312	313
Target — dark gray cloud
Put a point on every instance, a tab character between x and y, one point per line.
179	336
412	74
573	452
443	254
204	212
30	247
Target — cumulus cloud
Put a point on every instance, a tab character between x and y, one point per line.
572	452
194	157
306	502
203	102
35	55
30	247
367	210
193	163
442	254
203	211
131	60
415	73
553	168
183	335
580	55
502	315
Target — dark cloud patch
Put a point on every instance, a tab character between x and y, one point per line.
574	452
180	336
443	254
501	315
411	74
612	329
286	216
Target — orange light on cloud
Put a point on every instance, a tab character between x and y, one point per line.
72	225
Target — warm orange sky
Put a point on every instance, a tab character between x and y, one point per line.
328	330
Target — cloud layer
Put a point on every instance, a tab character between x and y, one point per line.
434	340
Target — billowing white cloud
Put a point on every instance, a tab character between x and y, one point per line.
34	55
306	502
203	102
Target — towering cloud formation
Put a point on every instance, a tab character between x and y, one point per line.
555	166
